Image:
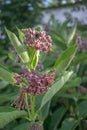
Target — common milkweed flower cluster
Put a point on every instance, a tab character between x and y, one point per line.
36	83
32	83
38	40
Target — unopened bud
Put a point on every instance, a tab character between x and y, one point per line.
35	126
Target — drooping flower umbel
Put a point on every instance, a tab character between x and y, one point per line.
38	40
19	102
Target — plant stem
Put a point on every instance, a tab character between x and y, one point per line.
77	114
26	101
32	107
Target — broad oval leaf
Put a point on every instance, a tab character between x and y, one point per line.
6	75
56	118
3	84
71	84
68	96
82	109
45	111
69	124
65	59
81	57
6	109
23	126
7	117
20	49
58	40
7	97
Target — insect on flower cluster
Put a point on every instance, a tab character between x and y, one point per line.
38	40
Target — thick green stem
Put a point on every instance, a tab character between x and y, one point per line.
77	114
32	107
27	106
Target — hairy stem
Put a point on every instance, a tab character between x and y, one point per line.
32	107
27	106
77	114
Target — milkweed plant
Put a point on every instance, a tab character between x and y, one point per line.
37	84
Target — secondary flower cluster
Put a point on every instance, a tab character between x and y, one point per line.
37	40
33	82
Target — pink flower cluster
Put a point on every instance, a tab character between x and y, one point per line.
37	83
79	42
19	78
38	40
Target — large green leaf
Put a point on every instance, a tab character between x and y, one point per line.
71	84
6	109
23	126
65	59
20	49
7	97
82	109
38	100
63	29
21	35
72	96
71	34
69	124
34	59
81	57
3	84
58	40
55	88
64	25
6	75
83	97
45	111
56	118
7	117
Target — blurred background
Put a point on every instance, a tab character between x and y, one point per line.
29	13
